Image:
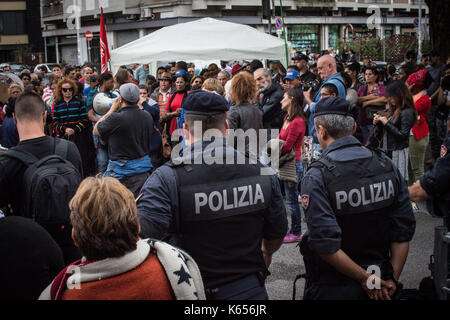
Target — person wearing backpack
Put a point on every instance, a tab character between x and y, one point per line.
40	175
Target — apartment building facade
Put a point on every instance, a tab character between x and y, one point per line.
20	31
317	25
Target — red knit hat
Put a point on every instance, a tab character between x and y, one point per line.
417	78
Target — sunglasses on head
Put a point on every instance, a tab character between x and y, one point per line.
67	89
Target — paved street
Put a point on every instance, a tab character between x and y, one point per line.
287	262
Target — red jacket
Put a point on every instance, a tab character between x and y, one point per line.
173	104
423	105
293	135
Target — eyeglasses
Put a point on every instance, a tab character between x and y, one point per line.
67	89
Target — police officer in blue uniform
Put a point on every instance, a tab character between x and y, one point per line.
228	216
358	213
434	184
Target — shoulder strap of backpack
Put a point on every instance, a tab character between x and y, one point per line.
169	103
324	162
176	217
61	148
26	158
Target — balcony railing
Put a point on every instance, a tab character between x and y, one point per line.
375	1
52	8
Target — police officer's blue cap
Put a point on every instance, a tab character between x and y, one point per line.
203	102
333	105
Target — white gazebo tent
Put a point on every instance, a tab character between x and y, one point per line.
203	39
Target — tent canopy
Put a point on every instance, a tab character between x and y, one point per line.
203	39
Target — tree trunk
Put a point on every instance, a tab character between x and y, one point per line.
439	31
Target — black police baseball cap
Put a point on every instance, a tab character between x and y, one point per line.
333	105
301	56
202	102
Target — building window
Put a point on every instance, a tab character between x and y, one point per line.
12	22
333	37
408	31
303	37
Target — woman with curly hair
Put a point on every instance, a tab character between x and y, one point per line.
72	123
245	114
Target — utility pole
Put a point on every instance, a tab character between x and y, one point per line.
419	51
285	35
77	8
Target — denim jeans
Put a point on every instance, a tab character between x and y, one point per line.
292	201
102	155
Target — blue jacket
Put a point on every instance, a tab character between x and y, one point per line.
121	169
141	75
9	132
155	141
324	231
158	203
435	181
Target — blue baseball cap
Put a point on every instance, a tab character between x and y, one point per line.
291	75
181	73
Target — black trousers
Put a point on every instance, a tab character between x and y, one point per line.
248	288
437	123
134	183
350	290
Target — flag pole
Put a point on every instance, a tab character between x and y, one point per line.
104	50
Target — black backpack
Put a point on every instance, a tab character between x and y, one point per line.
48	184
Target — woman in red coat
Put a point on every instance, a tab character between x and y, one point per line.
176	100
418	83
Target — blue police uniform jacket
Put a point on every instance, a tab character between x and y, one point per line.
435	182
325	234
205	203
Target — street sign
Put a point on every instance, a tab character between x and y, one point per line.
278	23
89	35
416	22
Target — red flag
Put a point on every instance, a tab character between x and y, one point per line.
104	50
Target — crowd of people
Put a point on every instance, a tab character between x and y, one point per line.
402	111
